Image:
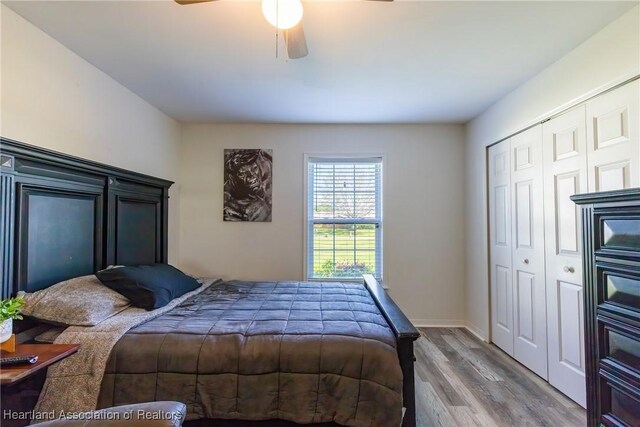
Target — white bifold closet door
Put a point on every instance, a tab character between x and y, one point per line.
594	147
529	296
565	174
613	150
517	249
500	246
535	246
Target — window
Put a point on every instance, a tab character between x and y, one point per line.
344	218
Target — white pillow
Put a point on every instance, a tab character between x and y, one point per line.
81	301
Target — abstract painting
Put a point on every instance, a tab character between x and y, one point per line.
247	185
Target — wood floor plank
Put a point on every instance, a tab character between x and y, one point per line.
431	349
462	387
478	364
466	337
430	373
522	380
438	411
462	381
516	370
464	417
486	398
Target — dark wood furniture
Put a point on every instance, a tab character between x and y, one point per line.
20	385
611	257
47	354
405	334
63	216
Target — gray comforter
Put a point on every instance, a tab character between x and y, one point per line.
303	352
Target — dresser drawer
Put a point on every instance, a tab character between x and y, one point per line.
619	406
618	233
618	289
620	347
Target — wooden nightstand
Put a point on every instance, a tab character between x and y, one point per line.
47	354
20	385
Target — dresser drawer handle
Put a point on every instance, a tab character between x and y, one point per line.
568	269
525	261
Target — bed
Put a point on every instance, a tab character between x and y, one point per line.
65	217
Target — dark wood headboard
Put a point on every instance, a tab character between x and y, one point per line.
63	216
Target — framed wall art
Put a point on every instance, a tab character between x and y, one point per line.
248	175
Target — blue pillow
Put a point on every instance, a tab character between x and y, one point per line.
148	286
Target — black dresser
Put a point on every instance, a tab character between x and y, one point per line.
611	257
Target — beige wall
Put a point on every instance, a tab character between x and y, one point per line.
423	207
54	99
609	57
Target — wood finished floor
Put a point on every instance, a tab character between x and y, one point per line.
462	381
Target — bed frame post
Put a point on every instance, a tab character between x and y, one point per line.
405	354
405	334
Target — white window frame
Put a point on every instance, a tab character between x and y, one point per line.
305	225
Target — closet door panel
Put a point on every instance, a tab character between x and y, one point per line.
565	174
570	313
500	250
614	140
529	299
567	230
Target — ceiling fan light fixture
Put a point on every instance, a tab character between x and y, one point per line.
282	14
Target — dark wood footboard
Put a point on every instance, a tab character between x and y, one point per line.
405	334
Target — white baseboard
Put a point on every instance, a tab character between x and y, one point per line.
475	330
450	323
437	323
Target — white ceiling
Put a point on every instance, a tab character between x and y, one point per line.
369	62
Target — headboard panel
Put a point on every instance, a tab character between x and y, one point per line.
59	234
136	224
64	217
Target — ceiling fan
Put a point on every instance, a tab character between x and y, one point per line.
285	15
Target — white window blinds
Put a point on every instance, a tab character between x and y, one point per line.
344	232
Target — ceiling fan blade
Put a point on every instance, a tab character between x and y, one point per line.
184	2
296	43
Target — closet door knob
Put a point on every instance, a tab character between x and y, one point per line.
568	269
525	261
